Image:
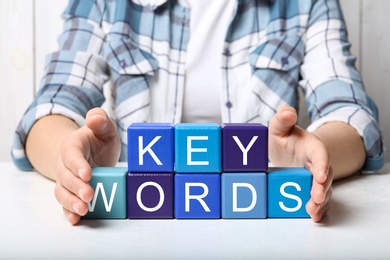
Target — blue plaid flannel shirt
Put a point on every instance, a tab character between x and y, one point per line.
272	48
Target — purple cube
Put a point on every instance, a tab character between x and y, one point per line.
149	195
244	147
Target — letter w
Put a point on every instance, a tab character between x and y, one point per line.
107	205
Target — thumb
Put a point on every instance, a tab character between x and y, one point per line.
100	124
283	121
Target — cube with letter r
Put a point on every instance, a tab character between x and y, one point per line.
150	147
288	192
197	195
109	200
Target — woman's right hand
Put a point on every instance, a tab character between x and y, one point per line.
95	144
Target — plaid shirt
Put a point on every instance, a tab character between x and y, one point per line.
272	47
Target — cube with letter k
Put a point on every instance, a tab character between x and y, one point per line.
150	147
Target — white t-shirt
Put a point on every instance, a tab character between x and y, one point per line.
209	22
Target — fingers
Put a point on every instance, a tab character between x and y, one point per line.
72	190
72	217
100	124
318	211
75	185
320	193
281	124
72	157
73	194
70	202
318	159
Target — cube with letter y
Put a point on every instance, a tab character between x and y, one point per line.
244	147
109	200
288	192
150	147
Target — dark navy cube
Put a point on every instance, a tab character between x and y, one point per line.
244	147
197	196
150	195
150	147
288	192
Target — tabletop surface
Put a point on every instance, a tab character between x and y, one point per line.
32	225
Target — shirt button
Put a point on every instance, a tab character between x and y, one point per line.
284	61
123	63
229	104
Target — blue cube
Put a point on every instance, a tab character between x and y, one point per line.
109	200
288	192
197	196
150	147
244	195
198	148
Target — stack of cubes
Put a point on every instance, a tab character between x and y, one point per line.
199	171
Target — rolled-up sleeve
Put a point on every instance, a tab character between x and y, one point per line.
333	87
73	77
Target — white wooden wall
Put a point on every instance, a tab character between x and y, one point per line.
28	30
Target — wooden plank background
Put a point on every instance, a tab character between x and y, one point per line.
28	30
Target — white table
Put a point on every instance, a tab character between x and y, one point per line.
32	225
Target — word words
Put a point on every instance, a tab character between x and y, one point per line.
198	171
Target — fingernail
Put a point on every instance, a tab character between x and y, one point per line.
318	208
79	172
80	193
75	207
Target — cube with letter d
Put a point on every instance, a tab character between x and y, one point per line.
288	192
198	148
150	147
244	147
244	195
109	200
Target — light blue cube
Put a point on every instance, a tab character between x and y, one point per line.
150	147
288	192
109	200
198	148
244	195
197	196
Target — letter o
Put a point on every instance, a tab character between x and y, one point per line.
139	200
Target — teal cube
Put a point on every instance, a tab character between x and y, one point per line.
288	192
109	200
244	195
198	148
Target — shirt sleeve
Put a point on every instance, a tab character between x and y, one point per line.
73	76
332	85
